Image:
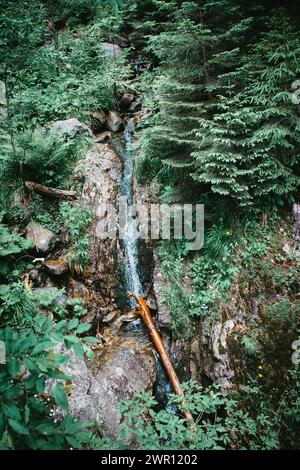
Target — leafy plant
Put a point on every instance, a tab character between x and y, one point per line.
44	157
12	243
26	410
76	220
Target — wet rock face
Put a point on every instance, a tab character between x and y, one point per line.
116	374
125	370
41	237
101	169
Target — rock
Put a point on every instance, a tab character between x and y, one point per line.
216	360
3	101
116	374
57	266
159	283
287	248
114	122
122	372
180	354
81	404
71	127
41	237
120	40
112	51
195	360
78	289
136	105
126	101
296	214
103	137
108	318
102	170
62	300
98	121
151	301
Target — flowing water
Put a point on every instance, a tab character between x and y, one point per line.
131	259
130	242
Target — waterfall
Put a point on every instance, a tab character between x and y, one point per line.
131	269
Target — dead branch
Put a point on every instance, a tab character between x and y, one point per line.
51	192
158	342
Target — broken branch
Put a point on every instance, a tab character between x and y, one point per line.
51	192
158	342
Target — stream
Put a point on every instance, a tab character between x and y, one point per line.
131	261
132	279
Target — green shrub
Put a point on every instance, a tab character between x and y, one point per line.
27	413
76	220
40	156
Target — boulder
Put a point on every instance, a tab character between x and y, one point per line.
98	121
120	40
57	267
102	137
126	100
41	237
112	51
71	127
124	370
81	404
136	105
116	373
114	122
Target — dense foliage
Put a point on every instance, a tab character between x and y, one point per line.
222	115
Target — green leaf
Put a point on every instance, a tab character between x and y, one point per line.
11	411
78	350
18	427
43	346
73	442
60	396
82	328
91	339
13	367
73	324
72	339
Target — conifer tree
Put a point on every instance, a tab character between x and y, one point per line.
250	146
186	50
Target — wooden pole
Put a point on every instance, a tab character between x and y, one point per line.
158	342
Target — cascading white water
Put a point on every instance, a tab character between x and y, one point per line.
131	265
132	278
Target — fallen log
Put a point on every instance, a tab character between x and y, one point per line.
158	342
50	192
